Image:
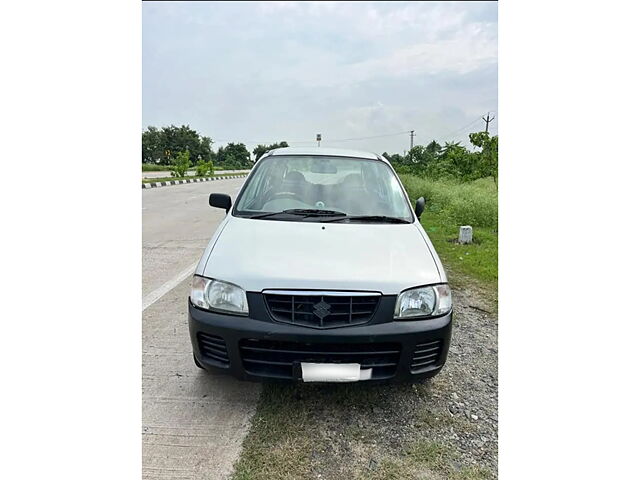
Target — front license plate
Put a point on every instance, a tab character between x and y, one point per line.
334	372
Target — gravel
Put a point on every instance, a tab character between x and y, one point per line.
446	427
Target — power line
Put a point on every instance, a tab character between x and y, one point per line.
367	138
312	141
329	140
448	135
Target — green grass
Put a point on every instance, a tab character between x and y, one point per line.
450	205
437	457
297	432
150	167
289	436
425	459
279	444
290	440
166	179
473	203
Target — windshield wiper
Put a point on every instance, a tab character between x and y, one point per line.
369	218
304	212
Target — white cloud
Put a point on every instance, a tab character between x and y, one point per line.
286	69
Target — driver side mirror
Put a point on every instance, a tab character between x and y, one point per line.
220	200
420	206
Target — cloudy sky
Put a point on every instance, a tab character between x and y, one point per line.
264	72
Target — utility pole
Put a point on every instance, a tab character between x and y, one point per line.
411	134
487	121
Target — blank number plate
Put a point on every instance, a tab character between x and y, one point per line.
334	372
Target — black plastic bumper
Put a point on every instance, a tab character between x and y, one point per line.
223	343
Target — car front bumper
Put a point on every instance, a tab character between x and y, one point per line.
262	349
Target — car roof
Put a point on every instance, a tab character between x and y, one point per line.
333	152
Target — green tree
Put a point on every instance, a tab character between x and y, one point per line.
234	156
230	161
451	160
488	157
434	148
160	145
395	159
206	151
181	165
152	151
262	149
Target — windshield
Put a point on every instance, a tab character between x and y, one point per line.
352	187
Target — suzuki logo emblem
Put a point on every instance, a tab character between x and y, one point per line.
321	309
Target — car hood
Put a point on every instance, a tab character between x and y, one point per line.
271	254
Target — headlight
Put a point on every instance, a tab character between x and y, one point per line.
423	302
219	296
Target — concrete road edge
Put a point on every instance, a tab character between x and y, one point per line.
191	180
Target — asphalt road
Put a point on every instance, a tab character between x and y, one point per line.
193	423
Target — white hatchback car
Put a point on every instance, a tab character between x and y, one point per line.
321	272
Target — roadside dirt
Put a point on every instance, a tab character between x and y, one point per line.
444	428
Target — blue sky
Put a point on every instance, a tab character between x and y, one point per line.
264	72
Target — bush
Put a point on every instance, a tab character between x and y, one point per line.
474	203
452	161
181	165
204	168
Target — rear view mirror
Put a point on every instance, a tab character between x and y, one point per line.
420	206
220	200
323	166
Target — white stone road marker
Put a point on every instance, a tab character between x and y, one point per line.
466	234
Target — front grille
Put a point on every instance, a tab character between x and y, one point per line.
269	358
425	355
213	347
322	311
